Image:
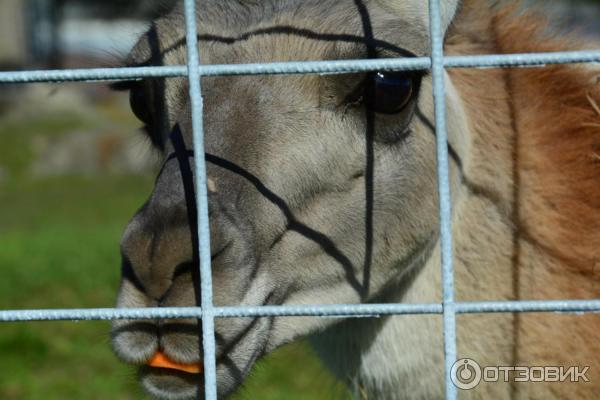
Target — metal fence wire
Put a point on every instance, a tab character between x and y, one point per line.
437	63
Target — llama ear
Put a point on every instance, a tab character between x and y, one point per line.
418	10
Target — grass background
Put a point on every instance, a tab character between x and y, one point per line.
59	240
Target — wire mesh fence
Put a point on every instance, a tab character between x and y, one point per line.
194	70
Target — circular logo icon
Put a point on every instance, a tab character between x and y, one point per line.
465	374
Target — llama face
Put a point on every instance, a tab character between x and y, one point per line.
322	188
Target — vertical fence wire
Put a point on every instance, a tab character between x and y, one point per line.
208	321
445	206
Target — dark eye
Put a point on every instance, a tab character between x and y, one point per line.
139	104
390	92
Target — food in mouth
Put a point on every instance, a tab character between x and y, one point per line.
160	360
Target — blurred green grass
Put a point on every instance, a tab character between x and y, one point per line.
59	249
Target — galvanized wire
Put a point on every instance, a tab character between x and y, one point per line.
325	310
303	67
445	206
206	289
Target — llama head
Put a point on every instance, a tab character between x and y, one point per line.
322	187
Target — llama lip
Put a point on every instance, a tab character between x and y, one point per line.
165	383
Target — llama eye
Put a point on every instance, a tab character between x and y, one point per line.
139	104
390	92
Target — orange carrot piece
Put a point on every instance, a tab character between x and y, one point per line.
160	360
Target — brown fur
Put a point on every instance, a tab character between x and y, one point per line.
557	125
553	201
559	193
559	142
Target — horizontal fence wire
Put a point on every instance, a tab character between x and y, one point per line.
303	67
325	310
